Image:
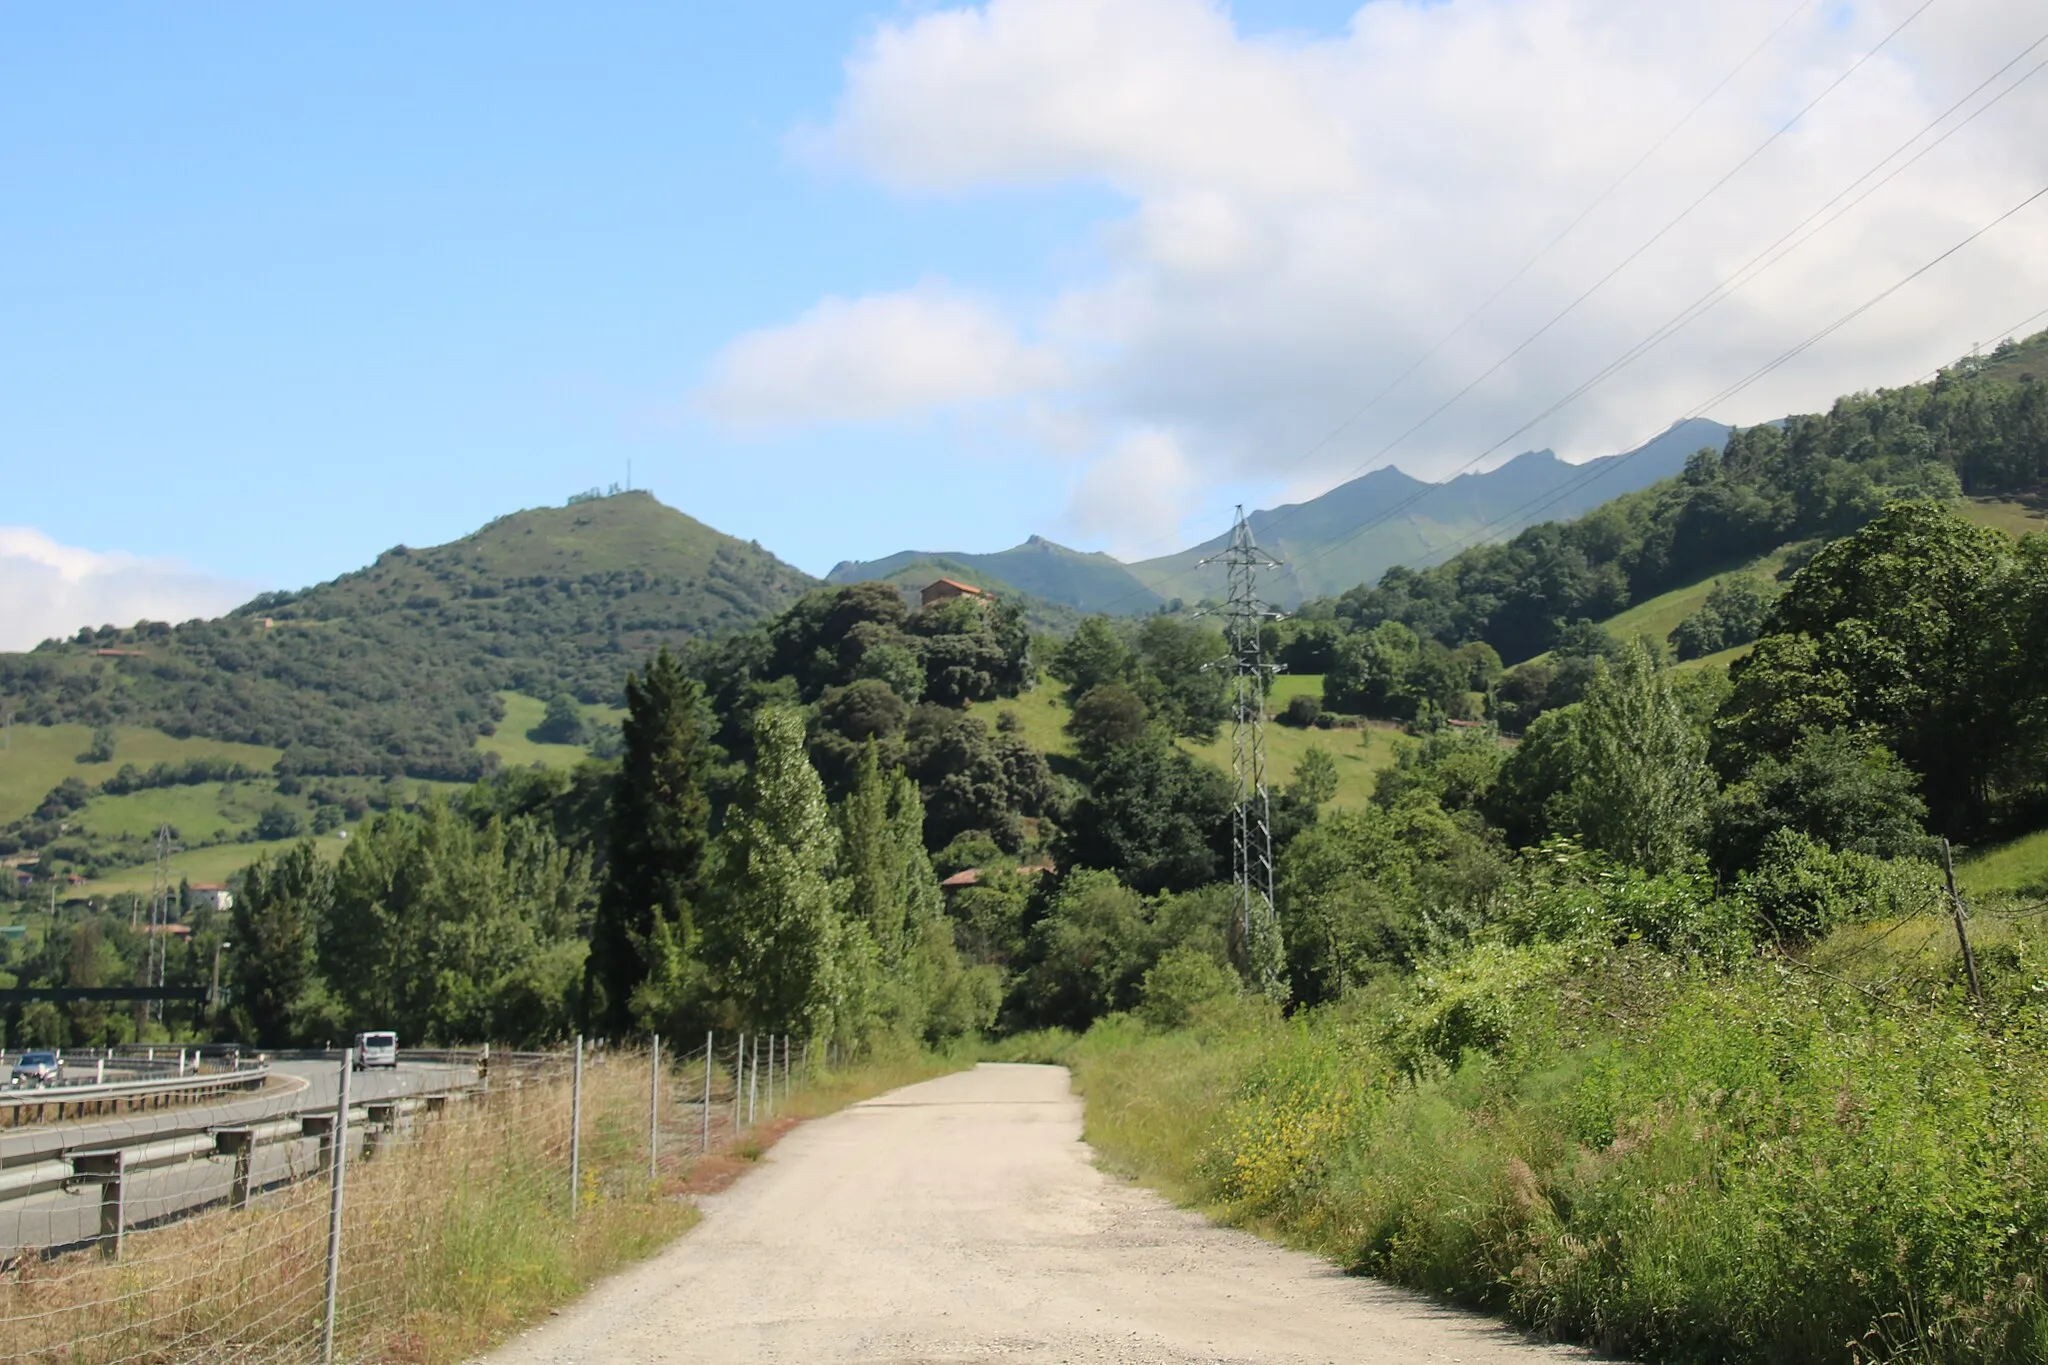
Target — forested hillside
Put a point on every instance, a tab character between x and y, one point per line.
1980	427
395	668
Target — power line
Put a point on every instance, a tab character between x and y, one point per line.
1583	214
1402	505
1558	495
1626	261
1740	278
1557	240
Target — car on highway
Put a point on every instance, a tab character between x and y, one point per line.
376	1049
37	1068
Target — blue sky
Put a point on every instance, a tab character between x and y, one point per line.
284	286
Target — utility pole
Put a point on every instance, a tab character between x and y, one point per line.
1955	902
1251	837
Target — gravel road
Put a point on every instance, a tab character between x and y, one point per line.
963	1220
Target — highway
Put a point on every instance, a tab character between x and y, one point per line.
57	1220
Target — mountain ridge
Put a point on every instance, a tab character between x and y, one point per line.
1411	520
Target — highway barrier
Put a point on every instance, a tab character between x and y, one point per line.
337	1226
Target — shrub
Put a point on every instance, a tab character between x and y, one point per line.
1801	889
1181	985
1302	711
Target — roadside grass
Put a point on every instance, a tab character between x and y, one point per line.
522	713
454	1236
1834	1160
39	757
2017	868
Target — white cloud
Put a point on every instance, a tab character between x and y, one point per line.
1135	493
48	589
1308	215
881	356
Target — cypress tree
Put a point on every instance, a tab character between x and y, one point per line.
660	820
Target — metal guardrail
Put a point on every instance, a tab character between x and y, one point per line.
54	1104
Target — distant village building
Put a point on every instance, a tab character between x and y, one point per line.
212	895
946	589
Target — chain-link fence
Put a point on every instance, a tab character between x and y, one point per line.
370	1220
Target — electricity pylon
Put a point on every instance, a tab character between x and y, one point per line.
1251	839
159	920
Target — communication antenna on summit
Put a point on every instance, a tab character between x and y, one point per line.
1251	841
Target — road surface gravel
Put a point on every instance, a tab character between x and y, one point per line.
964	1220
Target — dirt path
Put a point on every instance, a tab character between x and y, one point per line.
962	1220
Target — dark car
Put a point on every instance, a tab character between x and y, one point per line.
37	1068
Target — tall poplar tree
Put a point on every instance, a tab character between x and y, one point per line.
660	820
1642	785
786	955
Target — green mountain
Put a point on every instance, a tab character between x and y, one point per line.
1358	530
1039	568
1347	536
913	573
396	668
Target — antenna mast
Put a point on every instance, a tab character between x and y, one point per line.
1251	842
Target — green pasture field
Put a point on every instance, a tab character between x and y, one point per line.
522	713
215	864
2014	518
41	756
1360	754
205	810
1658	616
2017	868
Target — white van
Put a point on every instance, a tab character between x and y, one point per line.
376	1049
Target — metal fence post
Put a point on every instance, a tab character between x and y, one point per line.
576	1126
768	1109
739	1083
709	1039
788	1083
754	1081
654	1108
340	1148
108	1170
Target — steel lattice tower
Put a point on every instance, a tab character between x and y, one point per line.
1251	844
159	919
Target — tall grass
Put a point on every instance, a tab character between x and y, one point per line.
454	1234
1759	1166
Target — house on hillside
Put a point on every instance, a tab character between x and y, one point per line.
212	895
972	876
946	589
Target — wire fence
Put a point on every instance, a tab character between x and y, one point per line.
371	1222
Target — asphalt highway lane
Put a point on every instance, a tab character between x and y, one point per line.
58	1219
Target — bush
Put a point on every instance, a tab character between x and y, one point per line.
1801	889
279	821
1302	710
1181	985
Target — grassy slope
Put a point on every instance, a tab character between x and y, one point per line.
522	713
2013	518
41	756
2018	868
1360	754
1658	616
214	864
